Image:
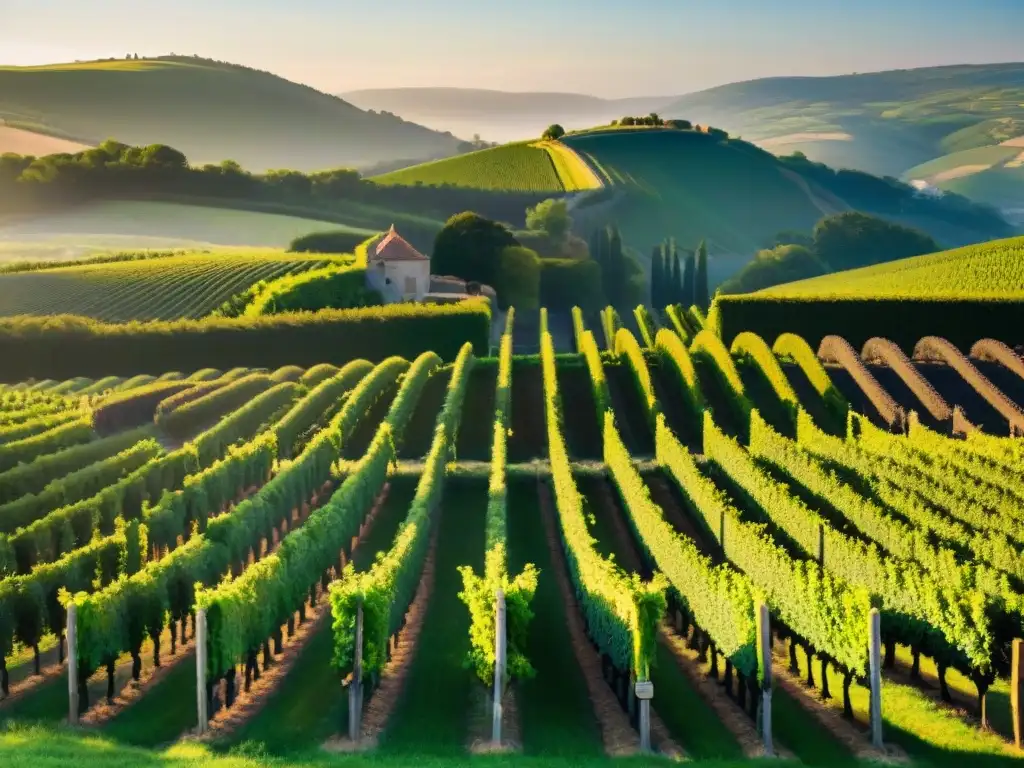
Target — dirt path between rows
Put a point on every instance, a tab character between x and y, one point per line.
617	734
382	703
249	703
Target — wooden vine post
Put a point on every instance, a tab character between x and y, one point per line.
201	651
1017	692
355	688
764	638
875	671
500	664
72	634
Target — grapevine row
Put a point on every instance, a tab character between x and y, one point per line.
387	589
479	592
622	615
243	613
829	613
163	591
719	599
955	626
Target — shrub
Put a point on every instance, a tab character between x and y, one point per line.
518	280
565	283
328	241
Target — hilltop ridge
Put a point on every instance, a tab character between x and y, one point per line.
211	110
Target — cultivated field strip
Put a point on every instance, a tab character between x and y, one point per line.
169	288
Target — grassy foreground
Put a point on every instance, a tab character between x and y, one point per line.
36	747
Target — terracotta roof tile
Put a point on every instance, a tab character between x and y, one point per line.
394	247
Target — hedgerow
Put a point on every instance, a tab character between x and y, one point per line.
62	346
902	320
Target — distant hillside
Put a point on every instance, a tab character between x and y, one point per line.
211	111
693	185
882	122
993	174
134	224
500	115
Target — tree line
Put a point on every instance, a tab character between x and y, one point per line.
838	242
114	170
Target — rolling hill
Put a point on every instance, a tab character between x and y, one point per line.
211	111
881	122
131	225
500	115
692	185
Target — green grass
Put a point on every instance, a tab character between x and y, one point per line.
131	225
555	712
211	112
166	288
930	734
38	747
432	715
519	167
990	270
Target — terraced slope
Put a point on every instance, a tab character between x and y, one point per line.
521	166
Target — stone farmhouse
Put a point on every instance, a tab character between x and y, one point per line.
402	274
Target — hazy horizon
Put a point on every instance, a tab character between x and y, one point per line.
598	48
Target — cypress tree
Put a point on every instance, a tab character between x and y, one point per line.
598	243
659	280
672	287
701	294
686	290
616	285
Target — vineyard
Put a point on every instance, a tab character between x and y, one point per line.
992	269
658	543
170	287
521	166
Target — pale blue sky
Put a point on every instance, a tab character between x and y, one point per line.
624	48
